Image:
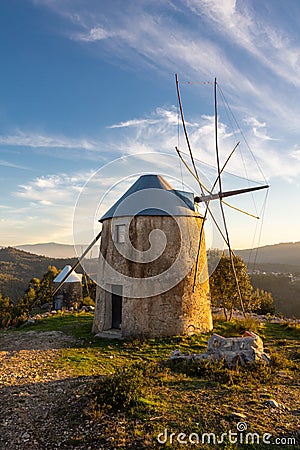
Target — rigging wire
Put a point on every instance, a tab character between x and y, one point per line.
196	82
212	188
231	119
242	134
178	139
260	233
225	171
228	110
206	203
226	237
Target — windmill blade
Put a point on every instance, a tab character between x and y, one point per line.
186	133
226	238
231	255
74	267
220	195
240	210
190	170
202	188
207	206
224	165
207	209
197	178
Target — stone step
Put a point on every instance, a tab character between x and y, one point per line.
110	334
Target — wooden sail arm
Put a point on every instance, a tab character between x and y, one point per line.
195	176
185	132
221	195
190	170
206	203
224	165
239	210
74	267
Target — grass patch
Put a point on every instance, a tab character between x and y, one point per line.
134	398
78	324
219	372
236	327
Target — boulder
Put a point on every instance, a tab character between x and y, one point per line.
242	349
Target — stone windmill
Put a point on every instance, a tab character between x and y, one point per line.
152	268
148	287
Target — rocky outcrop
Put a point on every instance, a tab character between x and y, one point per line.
243	349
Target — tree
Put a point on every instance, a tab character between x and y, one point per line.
46	286
264	302
223	288
31	295
6	311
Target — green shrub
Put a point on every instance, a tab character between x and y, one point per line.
124	388
219	372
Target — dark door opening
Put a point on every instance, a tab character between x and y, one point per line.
116	303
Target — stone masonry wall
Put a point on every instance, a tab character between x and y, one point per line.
177	311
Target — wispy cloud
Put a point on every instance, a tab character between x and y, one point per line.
259	129
48	201
12	165
45	209
59	189
36	140
156	38
158	133
168	116
150	37
295	154
93	35
134	123
252	31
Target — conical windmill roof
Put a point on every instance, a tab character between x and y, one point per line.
156	200
72	278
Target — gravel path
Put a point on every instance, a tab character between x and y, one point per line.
36	398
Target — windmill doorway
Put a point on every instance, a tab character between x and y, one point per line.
116	306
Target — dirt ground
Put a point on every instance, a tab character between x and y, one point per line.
41	406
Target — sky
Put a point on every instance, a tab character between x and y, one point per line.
86	85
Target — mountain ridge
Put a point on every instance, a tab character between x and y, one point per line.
284	253
49	249
267	254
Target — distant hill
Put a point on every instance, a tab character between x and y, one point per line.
284	257
17	268
50	249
